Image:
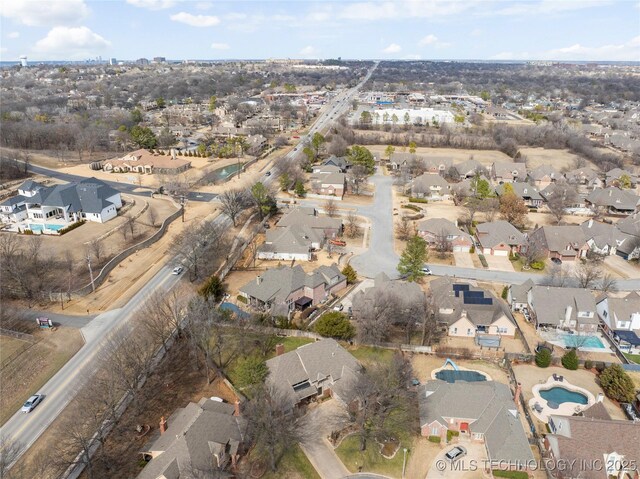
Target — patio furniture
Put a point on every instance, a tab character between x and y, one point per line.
555	377
561	378
553	405
537	407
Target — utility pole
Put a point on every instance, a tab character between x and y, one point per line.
93	286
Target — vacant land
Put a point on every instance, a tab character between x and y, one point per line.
486	157
26	367
560	159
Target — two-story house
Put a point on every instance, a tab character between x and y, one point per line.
436	230
620	316
529	194
544	175
430	186
567	242
571	309
506	172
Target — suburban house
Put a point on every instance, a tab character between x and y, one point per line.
90	199
431	186
621	317
544	175
586	177
614	200
365	300
400	160
617	177
142	161
341	162
295	242
288	288
572	309
469	168
256	143
518	295
506	172
482	411
562	188
630	226
437	165
308	216
13	209
525	191
590	448
437	230
603	238
201	438
29	188
319	369
328	181
468	311
499	238
567	243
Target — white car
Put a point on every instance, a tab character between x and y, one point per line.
177	270
338	307
31	403
426	270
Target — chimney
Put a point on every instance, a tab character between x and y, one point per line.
600	397
279	349
173	153
163	425
590	222
258	279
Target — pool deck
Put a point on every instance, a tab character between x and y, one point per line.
564	409
556	340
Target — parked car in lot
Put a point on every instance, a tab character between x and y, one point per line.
177	270
31	403
556	260
456	453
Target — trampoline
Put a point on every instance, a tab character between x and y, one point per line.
451	376
488	341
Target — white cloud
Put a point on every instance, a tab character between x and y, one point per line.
428	40
628	51
369	11
13	34
392	48
549	7
476	32
220	46
70	42
152	4
203	5
195	20
309	51
45	13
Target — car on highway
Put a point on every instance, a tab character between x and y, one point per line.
455	453
177	270
338	307
31	403
268	173
426	270
556	260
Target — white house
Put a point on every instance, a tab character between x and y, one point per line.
621	317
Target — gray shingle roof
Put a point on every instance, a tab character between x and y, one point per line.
14	200
521	190
30	185
550	304
490	409
306	216
545	170
614	198
566	239
88	196
496	232
519	292
437	226
295	239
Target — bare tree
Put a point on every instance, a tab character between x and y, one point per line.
198	248
163	313
490	208
555	276
562	196
431	333
10	451
271	427
533	250
233	203
132	226
351	228
152	215
443	244
588	274
608	283
404	229
330	207
375	318
96	248
357	178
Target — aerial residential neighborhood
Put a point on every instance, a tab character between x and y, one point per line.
319	240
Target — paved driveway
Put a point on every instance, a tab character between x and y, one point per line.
316	426
499	263
470	466
463	260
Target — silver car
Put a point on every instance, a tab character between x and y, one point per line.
31	403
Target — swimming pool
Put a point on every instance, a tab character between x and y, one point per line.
234	309
559	395
579	341
40	227
451	376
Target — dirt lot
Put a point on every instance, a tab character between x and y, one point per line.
486	157
50	351
55	160
558	158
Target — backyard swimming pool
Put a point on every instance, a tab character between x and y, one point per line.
579	341
452	376
559	395
40	227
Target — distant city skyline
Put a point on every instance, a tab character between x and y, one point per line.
578	30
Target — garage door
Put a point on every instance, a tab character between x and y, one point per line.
500	253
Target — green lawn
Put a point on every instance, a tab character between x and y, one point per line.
291	343
294	464
370	459
511	474
370	353
633	357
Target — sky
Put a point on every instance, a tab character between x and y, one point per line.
387	29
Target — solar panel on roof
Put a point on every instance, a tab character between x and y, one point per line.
474	294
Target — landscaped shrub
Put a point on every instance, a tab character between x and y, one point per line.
600	366
335	325
213	287
588	364
451	435
537	265
435	439
510	474
617	384
505	292
543	358
71	227
570	360
412	207
242	299
483	260
418	200
472	250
